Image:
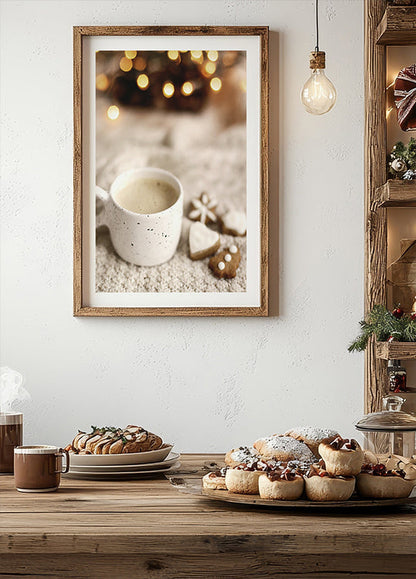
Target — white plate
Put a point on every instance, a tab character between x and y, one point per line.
115	459
101	468
89	475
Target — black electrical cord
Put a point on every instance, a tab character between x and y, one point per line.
317	26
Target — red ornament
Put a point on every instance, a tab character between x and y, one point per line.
398	312
413	316
391	339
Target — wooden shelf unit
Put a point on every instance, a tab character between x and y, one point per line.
396	350
384	25
398	25
397	193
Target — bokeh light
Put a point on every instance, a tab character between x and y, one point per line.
139	63
212	55
126	64
215	84
143	81
173	54
210	68
197	56
187	88
130	54
113	112
102	82
168	89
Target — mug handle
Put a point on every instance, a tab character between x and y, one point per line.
61	452
104	197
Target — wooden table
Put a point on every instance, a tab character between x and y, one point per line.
147	528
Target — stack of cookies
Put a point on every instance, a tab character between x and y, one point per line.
313	463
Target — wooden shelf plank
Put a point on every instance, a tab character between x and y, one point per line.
397	193
396	350
398	26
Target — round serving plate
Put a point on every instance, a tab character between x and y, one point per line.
194	486
117	459
92	475
101	468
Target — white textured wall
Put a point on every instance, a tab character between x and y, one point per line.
206	384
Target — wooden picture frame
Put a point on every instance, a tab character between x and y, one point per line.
252	43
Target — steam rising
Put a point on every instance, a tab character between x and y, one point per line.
11	389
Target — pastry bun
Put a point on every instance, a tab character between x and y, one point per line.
283	448
388	486
215	480
311	436
241	455
329	488
342	456
277	488
244	482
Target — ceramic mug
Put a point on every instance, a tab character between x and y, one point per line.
149	236
11	435
37	469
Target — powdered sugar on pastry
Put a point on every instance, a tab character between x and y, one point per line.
242	455
283	448
313	433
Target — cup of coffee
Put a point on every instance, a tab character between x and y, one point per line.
11	435
37	469
143	211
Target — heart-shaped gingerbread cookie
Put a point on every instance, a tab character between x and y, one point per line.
202	241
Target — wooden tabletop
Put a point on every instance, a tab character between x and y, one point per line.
147	528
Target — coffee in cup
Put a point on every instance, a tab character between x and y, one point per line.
11	435
146	196
143	212
37	469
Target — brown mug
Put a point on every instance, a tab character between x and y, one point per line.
37	469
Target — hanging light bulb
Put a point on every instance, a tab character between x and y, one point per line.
318	94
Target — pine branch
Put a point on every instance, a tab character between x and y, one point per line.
384	325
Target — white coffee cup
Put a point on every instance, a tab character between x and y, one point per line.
145	237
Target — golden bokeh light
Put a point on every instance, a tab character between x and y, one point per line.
173	54
187	88
140	63
126	64
130	54
215	83
196	54
210	68
113	112
102	82
212	55
143	81
168	89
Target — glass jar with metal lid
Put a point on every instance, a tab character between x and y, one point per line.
390	431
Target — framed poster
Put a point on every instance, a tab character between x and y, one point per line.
170	171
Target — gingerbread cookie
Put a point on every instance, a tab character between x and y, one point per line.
234	223
202	241
226	262
203	209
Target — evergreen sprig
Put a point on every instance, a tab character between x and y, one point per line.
383	324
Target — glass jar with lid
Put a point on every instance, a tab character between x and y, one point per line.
390	431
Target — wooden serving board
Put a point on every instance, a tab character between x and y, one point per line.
193	486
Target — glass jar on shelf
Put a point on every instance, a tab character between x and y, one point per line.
397	376
390	431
